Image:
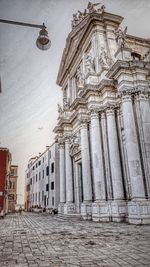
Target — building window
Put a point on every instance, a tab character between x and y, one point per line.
39	162
52	185
47	187
39	176
33	197
36	177
52	201
43	174
50	154
43	159
36	197
39	196
30	181
33	168
47	170
52	167
36	165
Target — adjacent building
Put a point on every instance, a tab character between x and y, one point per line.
12	192
104	124
5	162
42	180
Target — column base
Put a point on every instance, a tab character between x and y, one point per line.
118	211
69	208
100	211
86	210
61	208
139	212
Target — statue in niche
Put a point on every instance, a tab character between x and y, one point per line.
89	63
104	60
66	103
121	37
60	110
79	77
91	7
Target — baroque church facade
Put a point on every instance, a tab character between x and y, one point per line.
103	128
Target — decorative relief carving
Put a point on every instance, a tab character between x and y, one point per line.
75	144
80	79
104	60
146	57
60	111
89	63
121	37
94	113
66	103
91	8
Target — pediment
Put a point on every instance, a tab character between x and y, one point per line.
77	37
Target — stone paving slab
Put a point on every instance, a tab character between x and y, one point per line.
53	241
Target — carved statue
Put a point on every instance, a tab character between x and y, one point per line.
60	110
66	103
91	7
121	37
79	16
104	59
80	77
101	10
75	20
89	63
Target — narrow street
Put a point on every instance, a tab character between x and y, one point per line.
46	240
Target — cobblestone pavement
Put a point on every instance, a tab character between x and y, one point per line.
46	240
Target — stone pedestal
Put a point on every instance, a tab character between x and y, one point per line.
139	212
118	211
69	208
86	210
61	208
101	211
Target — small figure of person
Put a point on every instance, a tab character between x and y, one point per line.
20	210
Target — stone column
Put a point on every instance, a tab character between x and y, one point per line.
138	207
114	155
62	177
100	210
118	206
143	119
106	156
97	158
132	148
69	180
86	172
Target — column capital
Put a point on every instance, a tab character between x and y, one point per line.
142	95
83	121
103	115
94	113
110	111
61	143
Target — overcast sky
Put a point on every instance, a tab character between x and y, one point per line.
29	92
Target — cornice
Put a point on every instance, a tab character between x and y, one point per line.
121	64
